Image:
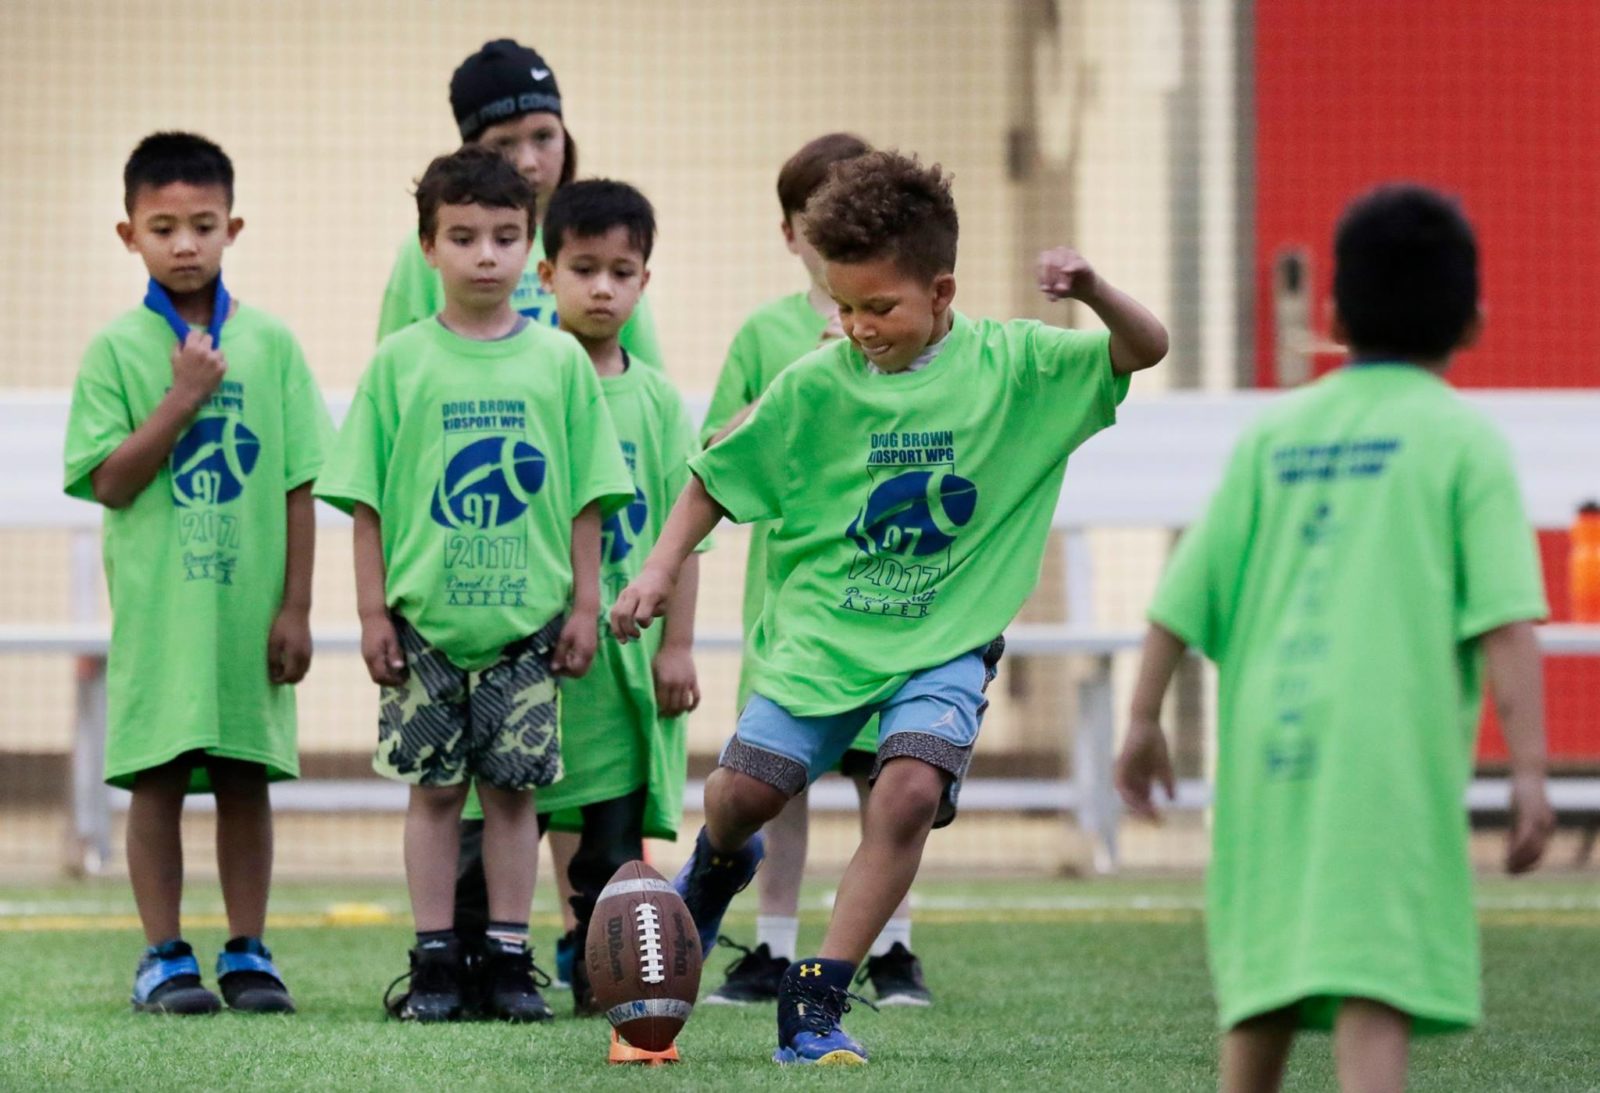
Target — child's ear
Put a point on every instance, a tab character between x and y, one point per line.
125	233
944	292
787	227
644	278
547	275
427	242
235	226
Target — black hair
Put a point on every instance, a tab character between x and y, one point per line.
472	175
886	205
164	158
582	210
1405	273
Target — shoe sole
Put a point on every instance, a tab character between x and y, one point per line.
786	1057
262	1002
724	1000
158	1010
904	1000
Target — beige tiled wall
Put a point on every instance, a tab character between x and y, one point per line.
330	109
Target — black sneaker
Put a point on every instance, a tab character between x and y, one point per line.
754	977
583	1000
168	981
897	978
250	981
435	994
510	983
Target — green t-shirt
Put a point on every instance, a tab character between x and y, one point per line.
911	510
613	739
414	292
195	564
771	339
1367	531
476	456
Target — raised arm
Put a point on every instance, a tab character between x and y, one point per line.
1138	340
693	517
197	369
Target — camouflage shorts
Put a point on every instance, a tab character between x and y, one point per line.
496	724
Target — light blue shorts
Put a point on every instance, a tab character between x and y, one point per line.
934	717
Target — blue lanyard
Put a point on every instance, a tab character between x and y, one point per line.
157	300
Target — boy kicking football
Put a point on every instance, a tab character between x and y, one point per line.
911	470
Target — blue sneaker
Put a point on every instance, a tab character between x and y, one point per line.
566	953
250	981
812	1000
708	882
168	981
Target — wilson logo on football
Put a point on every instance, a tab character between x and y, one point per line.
652	961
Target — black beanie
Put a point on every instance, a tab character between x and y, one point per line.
501	81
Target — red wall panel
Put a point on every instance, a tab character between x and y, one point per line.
1498	104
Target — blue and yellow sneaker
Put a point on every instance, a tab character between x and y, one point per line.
812	999
168	981
708	882
250	981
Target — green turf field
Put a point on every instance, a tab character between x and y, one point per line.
1040	985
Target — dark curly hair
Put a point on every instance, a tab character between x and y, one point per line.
1405	273
884	204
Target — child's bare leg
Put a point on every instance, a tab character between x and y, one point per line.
563	845
863	788
1371	1046
155	848
737	806
432	844
510	851
244	843
900	813
1255	1051
788	836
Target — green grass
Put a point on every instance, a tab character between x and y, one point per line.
1040	985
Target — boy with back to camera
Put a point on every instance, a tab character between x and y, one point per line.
911	470
623	751
478	461
775	336
198	426
1363	564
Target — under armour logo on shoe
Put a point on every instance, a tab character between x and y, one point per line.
811	969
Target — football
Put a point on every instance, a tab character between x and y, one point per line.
643	957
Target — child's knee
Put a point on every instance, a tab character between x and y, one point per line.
439	800
909	793
745	799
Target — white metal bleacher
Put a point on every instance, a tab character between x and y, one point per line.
1155	469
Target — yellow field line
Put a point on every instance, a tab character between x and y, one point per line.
1580	918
